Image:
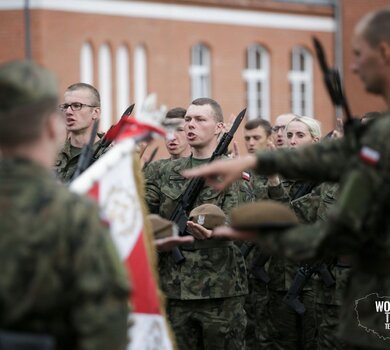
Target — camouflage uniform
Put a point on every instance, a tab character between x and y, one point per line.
68	157
205	293
151	171
329	300
256	301
286	328
61	274
360	224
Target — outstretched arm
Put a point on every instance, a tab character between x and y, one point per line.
221	173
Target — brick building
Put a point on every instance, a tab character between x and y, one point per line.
255	53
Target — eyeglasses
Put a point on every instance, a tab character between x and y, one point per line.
276	129
75	106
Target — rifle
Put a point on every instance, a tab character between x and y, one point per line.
25	341
333	84
302	276
257	267
152	155
87	157
86	153
188	197
112	132
246	249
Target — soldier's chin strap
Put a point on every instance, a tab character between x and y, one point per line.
334	86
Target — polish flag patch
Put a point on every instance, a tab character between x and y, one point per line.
245	176
369	155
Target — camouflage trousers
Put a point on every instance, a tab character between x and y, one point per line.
256	308
328	320
328	308
208	324
287	329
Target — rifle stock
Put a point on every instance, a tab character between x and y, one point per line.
302	276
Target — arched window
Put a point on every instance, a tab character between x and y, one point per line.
105	86
122	80
86	64
256	76
301	81
140	78
200	71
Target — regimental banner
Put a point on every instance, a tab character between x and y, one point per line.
111	182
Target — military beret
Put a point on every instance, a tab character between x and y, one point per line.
24	83
208	215
161	227
262	215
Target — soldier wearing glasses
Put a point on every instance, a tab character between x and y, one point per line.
80	109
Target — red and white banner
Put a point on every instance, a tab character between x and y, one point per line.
112	183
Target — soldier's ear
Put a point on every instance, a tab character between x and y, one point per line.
96	113
219	127
384	49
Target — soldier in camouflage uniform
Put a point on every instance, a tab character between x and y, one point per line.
61	275
360	223
329	300
257	135
205	293
287	329
81	108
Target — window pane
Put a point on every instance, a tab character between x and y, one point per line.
256	76
301	81
200	71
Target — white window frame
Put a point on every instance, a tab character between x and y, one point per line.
254	75
301	76
140	77
200	71
105	86
122	80
86	63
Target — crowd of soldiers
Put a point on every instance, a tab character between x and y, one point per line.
248	275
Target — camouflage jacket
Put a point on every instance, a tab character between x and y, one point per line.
206	273
259	190
66	163
253	187
282	270
151	170
360	224
314	207
60	272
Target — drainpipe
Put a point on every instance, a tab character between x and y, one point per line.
27	30
338	46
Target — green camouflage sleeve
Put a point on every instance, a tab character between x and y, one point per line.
100	301
152	187
246	192
323	161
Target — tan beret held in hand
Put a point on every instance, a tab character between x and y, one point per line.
262	215
208	215
162	227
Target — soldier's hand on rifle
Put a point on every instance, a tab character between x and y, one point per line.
198	231
221	173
